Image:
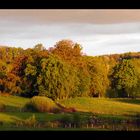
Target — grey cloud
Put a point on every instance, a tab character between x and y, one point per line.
109	34
17	30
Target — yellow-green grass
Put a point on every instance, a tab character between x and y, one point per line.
110	109
13	103
13	110
13	116
104	106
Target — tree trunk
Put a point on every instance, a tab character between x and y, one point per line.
124	94
70	125
128	95
87	125
92	125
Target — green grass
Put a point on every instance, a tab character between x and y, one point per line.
13	103
13	106
126	100
106	109
104	106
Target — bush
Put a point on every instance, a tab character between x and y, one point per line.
2	107
40	104
51	124
66	120
29	122
77	120
71	121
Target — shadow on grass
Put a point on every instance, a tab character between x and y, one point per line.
100	121
12	108
128	100
57	116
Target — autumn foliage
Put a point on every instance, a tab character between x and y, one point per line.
63	71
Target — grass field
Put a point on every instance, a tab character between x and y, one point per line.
105	106
108	109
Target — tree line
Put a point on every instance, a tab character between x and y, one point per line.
64	71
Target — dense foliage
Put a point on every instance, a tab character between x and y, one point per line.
63	71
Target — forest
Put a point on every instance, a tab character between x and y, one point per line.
64	71
62	87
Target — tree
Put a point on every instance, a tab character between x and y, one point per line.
98	70
9	82
84	83
56	79
67	50
71	53
124	78
136	64
39	47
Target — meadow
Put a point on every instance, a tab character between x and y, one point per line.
109	114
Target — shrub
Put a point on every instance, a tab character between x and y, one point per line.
51	124
29	122
71	121
40	104
66	120
77	120
2	107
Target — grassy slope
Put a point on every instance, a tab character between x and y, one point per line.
13	103
103	107
13	106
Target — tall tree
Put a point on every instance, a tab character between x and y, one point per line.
56	79
124	78
98	70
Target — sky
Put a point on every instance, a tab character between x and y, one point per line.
98	31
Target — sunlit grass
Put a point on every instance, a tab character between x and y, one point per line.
110	109
103	106
14	101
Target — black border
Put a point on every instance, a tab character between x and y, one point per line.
69	4
95	135
72	135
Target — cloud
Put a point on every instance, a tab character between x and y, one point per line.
111	44
25	29
96	16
